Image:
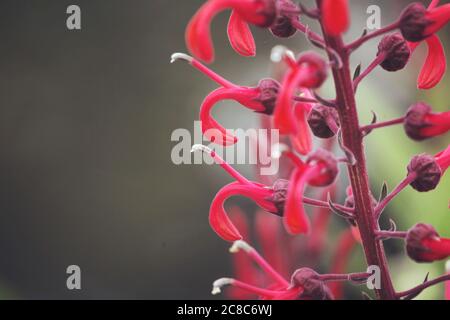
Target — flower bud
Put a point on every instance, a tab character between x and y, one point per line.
329	167
421	123
282	27
269	89
413	22
323	121
267	9
423	244
397	52
313	287
280	190
428	172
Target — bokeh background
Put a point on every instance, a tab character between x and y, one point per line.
86	175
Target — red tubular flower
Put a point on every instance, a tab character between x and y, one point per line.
423	244
335	16
308	72
218	218
257	12
259	99
422	123
443	159
319	170
435	65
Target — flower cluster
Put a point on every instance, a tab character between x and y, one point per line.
293	105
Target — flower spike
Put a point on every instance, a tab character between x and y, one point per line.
198	35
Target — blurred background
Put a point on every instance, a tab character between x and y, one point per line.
87	179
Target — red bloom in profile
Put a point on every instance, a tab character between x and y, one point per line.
423	244
422	123
261	13
320	170
435	64
309	71
335	16
443	159
259	99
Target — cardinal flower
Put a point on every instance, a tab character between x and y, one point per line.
435	64
309	71
422	123
261	13
423	244
335	16
260	99
320	170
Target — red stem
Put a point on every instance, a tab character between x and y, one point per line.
353	140
357	43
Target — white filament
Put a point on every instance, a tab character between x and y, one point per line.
218	284
240	245
180	56
279	52
278	149
200	147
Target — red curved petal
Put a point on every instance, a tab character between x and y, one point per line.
335	16
440	16
435	64
212	130
302	140
295	219
240	36
218	218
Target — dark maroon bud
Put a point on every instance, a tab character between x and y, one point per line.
428	172
269	89
413	22
280	190
282	27
269	11
416	246
397	52
323	121
313	287
415	121
328	165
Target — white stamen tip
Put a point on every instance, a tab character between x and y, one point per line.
240	245
279	52
218	284
180	56
447	266
278	149
200	147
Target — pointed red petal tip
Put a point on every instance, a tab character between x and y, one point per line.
240	36
198	32
335	16
435	64
439	16
295	219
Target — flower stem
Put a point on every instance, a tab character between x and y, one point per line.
375	63
359	42
382	124
353	140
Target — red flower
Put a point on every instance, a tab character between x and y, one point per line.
423	244
335	16
422	123
319	170
259	99
309	71
435	65
218	218
258	12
